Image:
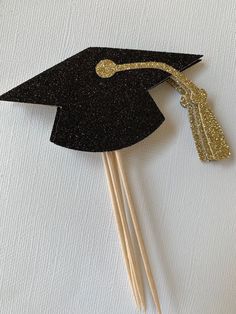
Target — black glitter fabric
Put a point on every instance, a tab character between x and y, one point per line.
96	114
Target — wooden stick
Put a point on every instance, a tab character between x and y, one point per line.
120	228
138	233
130	250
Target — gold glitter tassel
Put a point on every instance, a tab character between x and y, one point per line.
207	133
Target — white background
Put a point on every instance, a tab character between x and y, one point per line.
59	249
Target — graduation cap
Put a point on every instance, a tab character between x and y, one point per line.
99	115
103	105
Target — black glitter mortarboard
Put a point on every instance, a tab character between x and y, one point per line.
94	114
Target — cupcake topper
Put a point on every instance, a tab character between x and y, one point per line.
103	105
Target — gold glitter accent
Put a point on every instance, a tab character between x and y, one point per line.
106	68
207	133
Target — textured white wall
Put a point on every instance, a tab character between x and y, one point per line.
59	250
